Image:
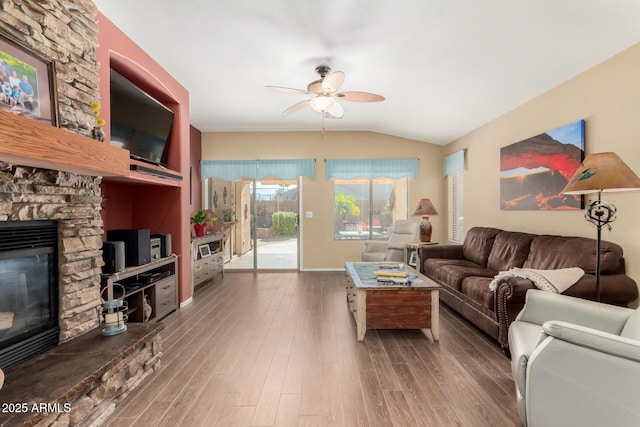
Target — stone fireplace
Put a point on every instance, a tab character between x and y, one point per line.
73	202
29	289
39	190
65	32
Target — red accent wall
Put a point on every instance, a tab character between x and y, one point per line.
143	202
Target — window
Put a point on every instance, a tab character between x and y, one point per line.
456	207
366	208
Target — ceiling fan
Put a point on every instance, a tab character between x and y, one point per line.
323	94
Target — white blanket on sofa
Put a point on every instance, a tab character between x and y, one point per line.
556	281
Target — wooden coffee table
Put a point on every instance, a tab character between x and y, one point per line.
390	306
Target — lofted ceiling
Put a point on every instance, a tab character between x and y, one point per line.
445	67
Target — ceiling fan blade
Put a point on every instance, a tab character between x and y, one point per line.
315	87
333	81
355	96
287	90
336	111
295	108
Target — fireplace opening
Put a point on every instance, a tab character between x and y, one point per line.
28	290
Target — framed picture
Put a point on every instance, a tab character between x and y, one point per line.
533	172
27	83
204	250
412	258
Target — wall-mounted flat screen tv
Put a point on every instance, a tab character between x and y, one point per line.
139	123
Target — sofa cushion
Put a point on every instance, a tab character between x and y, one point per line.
477	244
477	288
453	271
632	327
550	252
510	249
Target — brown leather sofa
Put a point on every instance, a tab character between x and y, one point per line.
465	272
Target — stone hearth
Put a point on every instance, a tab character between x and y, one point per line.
82	381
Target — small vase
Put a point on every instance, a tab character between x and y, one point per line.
98	134
146	309
200	229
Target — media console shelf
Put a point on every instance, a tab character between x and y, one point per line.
157	281
207	258
145	173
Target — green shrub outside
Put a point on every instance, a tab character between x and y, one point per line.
284	223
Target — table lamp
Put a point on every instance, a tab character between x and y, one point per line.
425	208
598	173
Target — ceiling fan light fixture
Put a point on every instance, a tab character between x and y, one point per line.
322	103
323	95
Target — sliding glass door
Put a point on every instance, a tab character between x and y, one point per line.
261	197
272	208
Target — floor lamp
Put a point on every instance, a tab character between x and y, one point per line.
599	173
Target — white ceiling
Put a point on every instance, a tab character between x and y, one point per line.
446	67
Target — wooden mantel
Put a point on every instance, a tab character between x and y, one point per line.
28	142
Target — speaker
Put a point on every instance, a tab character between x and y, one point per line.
165	244
137	245
113	256
156	254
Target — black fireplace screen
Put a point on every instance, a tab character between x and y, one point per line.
28	290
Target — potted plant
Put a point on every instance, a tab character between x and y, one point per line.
199	221
229	215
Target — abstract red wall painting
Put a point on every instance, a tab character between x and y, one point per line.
533	172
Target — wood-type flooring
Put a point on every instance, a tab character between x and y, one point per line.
280	349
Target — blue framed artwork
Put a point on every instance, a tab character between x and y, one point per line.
533	172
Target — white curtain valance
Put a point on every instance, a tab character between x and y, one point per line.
230	170
372	168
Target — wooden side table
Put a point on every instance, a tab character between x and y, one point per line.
411	253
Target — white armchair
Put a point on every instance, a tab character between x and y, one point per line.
393	249
575	362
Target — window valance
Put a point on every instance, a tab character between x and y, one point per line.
230	170
372	168
287	169
453	163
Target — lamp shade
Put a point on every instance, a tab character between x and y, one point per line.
602	172
425	207
321	103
